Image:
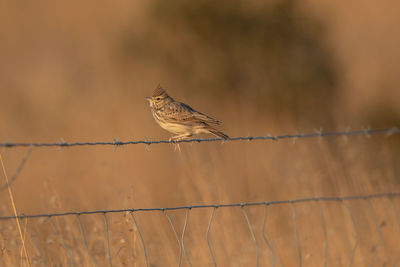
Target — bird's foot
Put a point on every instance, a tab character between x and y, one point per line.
178	138
175	140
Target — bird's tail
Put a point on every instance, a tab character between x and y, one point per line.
218	133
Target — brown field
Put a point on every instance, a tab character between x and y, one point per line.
80	71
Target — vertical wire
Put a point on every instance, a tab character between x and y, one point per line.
36	246
251	232
141	238
355	235
108	239
265	237
84	240
378	230
297	234
176	236
183	236
207	235
62	242
325	232
396	217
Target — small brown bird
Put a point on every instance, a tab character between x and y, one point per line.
180	119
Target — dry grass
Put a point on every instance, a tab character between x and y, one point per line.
65	77
209	173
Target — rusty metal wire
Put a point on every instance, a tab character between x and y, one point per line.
294	137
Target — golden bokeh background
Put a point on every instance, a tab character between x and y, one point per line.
80	71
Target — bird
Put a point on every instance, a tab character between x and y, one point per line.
179	118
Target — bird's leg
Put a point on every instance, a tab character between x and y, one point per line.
177	145
180	137
177	138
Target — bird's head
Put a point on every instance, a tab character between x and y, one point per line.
159	98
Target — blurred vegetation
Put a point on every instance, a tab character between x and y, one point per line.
266	53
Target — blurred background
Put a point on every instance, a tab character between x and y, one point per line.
80	71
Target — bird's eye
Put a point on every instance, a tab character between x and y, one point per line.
158	98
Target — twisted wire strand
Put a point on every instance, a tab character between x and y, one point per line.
275	202
116	142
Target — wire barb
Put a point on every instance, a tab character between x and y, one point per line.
367	131
117	143
61	144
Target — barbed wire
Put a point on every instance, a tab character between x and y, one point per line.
317	133
245	204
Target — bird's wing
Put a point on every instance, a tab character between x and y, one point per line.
178	112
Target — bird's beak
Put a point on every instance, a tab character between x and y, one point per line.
148	98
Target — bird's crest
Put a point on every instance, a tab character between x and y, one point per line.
159	91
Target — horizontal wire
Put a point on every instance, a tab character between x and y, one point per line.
355	197
116	142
